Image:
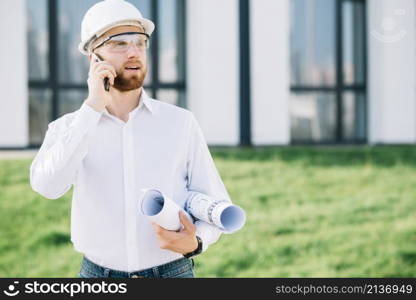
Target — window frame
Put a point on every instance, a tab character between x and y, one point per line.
52	82
339	88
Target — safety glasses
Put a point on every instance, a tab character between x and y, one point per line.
120	42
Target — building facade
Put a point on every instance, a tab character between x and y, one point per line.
254	72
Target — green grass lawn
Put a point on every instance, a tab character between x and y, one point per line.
311	212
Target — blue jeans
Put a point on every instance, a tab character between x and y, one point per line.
180	268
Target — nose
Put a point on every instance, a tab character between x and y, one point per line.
133	50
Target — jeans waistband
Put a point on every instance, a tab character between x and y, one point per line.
166	270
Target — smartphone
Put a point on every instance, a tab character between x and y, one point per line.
106	80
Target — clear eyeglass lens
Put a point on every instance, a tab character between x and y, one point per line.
121	43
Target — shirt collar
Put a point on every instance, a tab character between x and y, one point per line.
144	100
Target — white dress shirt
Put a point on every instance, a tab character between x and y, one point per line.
109	161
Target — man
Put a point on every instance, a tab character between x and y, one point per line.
119	142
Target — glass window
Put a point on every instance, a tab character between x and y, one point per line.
71	100
354	120
39	114
353	42
73	66
312	39
172	96
168	96
328	69
144	6
313	117
37	39
148	78
168	42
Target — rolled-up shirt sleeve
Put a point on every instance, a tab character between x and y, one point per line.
54	168
203	177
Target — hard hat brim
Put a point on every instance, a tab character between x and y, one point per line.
147	25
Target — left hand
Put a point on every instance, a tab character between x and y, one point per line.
183	241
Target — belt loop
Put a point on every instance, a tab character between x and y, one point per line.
106	272
156	272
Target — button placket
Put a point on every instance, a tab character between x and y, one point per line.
129	201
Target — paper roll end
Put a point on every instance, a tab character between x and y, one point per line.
232	219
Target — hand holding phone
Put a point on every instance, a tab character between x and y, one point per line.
100	77
106	81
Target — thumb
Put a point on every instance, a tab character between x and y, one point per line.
187	224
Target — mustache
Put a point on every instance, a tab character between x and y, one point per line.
137	62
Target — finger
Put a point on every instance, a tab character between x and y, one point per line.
155	225
92	61
95	61
159	230
99	64
105	66
187	224
106	74
112	69
92	65
156	228
108	66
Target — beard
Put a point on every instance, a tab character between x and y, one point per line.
127	82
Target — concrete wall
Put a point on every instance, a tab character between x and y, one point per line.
212	68
270	88
392	71
14	104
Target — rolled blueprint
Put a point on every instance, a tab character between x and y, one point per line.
219	212
161	209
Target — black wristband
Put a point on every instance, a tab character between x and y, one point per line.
197	251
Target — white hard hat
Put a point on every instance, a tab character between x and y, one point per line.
107	14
